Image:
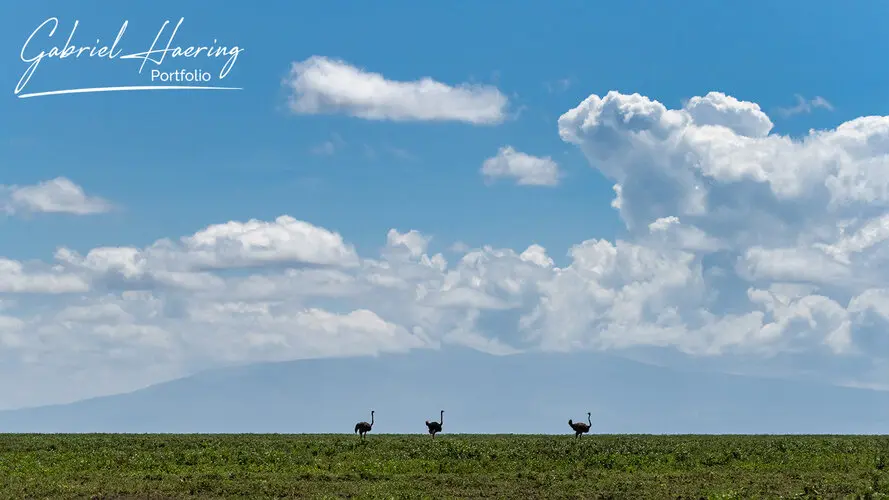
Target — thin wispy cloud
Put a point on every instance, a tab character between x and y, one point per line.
805	106
330	146
402	154
560	85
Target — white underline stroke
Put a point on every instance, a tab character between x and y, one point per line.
120	89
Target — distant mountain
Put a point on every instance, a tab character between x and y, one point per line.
480	393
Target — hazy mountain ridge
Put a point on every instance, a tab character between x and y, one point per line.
525	393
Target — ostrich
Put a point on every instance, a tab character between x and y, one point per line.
435	427
363	428
581	428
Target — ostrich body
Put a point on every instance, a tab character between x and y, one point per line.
581	428
363	428
435	427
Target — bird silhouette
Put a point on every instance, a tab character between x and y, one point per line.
435	427
581	428
363	428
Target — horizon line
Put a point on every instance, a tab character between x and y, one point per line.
424	435
89	90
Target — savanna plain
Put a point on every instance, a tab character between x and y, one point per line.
450	466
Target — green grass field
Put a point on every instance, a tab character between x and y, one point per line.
451	466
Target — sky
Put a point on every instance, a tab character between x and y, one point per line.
694	185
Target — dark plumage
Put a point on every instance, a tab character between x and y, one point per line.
363	428
581	427
435	427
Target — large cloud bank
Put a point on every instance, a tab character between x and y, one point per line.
741	242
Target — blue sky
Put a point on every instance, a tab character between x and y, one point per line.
166	165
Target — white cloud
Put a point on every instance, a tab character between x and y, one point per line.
740	242
235	244
188	264
414	242
58	195
525	169
777	210
15	278
718	109
323	85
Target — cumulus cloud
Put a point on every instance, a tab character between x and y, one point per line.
16	278
232	245
322	85
757	210
58	195
739	242
525	169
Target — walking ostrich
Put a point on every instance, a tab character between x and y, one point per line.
435	427
581	428
363	428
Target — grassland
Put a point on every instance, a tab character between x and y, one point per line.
451	466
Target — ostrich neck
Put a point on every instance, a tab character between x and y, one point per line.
371	419
441	418
590	420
